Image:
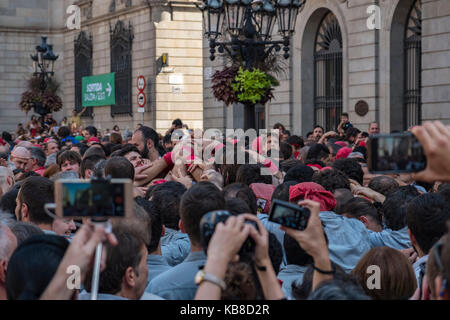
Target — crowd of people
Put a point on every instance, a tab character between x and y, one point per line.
369	236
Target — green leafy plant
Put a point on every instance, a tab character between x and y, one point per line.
253	86
48	99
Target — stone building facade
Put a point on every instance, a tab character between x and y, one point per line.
389	63
153	27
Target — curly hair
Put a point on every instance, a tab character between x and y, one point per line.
384	185
351	168
394	207
240	283
331	180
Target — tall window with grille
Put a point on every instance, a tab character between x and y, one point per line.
328	73
121	64
83	67
413	66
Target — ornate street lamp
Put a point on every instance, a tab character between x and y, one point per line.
43	62
245	27
265	19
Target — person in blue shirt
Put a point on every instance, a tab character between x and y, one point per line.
297	264
426	218
395	231
349	239
178	282
156	263
364	211
175	246
166	197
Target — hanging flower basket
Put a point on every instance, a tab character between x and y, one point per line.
42	103
253	87
233	85
223	85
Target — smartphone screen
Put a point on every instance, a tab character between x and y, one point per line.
395	153
81	198
289	215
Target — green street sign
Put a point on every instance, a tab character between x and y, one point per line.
98	90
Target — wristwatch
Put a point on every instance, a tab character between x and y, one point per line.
204	276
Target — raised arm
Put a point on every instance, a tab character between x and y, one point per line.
156	170
222	249
435	140
263	265
326	136
82	111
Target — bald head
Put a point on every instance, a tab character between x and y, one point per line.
25	144
6	179
4	148
384	184
20	157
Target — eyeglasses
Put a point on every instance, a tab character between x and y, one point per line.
437	249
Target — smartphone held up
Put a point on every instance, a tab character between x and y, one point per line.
289	215
77	198
395	153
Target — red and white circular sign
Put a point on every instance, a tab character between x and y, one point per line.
141	83
141	99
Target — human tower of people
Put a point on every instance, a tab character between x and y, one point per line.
369	236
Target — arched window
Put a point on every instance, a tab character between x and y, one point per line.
328	73
413	66
83	67
121	63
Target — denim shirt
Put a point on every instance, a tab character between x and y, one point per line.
156	265
397	239
175	246
274	228
420	270
348	239
290	274
178	282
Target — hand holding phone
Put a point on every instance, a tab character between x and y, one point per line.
435	137
395	153
312	238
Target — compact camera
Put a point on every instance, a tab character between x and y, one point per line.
208	225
